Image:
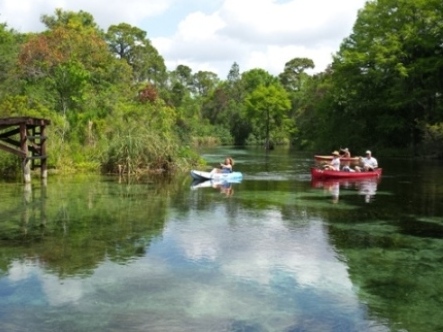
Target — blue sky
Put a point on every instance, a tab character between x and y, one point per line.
213	34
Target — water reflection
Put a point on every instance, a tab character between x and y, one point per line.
224	187
144	256
210	270
78	225
363	187
23	213
259	269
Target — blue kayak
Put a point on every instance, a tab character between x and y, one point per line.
204	176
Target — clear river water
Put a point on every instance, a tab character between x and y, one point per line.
275	252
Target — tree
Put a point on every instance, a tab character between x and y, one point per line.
388	73
69	69
10	42
253	78
183	75
266	106
235	85
214	106
291	78
131	44
294	80
73	20
205	82
67	61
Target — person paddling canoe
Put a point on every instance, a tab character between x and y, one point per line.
334	165
369	163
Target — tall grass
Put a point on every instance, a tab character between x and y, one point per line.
140	150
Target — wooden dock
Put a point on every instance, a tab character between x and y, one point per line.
25	137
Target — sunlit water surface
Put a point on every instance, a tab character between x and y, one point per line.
277	252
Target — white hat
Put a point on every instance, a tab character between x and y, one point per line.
368	152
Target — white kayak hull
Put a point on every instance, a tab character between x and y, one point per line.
228	177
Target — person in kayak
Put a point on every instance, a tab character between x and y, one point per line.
334	165
225	167
369	163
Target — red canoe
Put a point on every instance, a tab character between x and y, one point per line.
328	174
327	158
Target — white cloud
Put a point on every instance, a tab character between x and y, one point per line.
213	35
263	34
24	15
311	260
199	27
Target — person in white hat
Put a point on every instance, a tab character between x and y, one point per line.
369	163
334	165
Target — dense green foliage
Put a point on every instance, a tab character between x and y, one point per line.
387	76
114	105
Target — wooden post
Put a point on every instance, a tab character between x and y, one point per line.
24	148
29	148
44	164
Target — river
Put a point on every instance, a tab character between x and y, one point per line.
275	252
